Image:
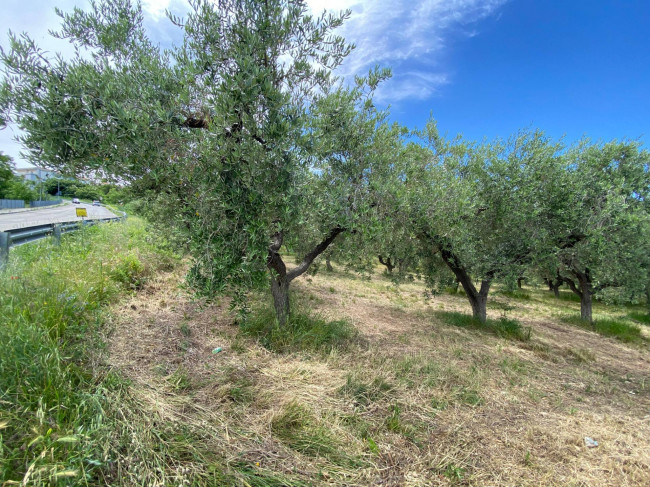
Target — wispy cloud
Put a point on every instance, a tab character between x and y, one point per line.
410	37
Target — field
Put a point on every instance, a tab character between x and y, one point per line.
419	397
371	384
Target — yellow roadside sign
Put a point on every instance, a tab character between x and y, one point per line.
81	212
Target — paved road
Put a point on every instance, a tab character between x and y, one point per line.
66	213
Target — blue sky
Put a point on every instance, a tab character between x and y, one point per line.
483	68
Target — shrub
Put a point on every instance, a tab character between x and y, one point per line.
129	271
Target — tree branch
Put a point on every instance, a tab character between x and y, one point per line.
571	284
274	261
195	123
319	249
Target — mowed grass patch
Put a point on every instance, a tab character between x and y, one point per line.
304	331
502	327
298	428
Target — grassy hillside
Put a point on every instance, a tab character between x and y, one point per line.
112	374
396	391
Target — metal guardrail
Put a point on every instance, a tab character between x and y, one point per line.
20	236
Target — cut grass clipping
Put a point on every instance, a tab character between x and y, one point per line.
298	428
503	327
304	331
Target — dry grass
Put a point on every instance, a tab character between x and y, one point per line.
416	403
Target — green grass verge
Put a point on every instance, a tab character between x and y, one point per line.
51	309
304	331
65	418
502	327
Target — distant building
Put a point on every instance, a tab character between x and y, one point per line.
36	174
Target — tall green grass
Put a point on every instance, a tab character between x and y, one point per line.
503	327
620	328
52	401
640	317
304	331
66	418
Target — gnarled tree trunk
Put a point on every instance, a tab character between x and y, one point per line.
280	292
388	263
479	302
585	306
585	290
477	298
281	278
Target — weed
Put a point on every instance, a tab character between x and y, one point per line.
528	459
240	385
179	380
516	294
365	393
468	396
503	327
372	446
643	318
453	472
128	271
439	404
297	427
254	476
303	331
626	332
392	422
580	354
621	329
185	330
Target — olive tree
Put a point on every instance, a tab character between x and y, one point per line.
231	137
598	222
476	206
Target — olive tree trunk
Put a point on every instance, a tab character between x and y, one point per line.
477	298
281	278
585	290
388	263
479	305
280	292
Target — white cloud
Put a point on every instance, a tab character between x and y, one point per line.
410	37
155	8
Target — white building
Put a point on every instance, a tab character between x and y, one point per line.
36	174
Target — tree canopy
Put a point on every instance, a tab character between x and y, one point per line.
244	143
